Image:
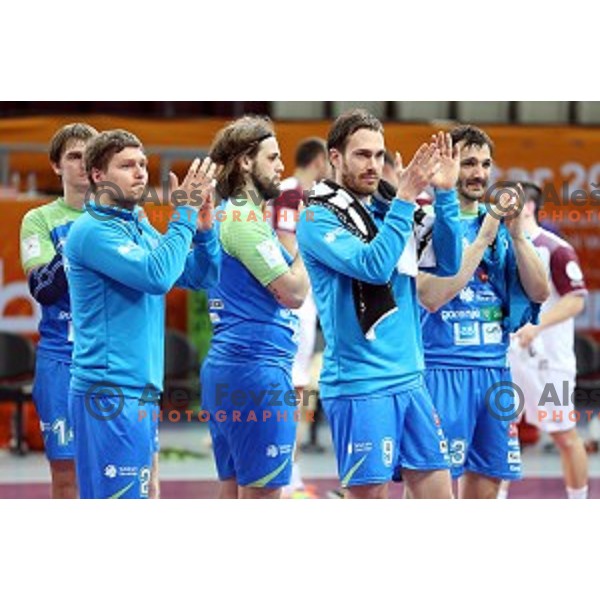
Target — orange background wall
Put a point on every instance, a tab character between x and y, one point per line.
558	155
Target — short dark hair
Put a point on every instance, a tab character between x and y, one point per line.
309	150
73	131
242	137
100	151
347	124
533	193
472	136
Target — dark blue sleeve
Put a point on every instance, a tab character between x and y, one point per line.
322	236
447	234
110	250
48	283
203	264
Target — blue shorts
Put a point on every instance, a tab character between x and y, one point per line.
113	447
51	398
253	417
376	437
481	440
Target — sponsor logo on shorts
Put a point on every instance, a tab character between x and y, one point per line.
360	447
274	451
387	451
114	471
514	457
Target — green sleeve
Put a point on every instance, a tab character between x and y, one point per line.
251	240
36	246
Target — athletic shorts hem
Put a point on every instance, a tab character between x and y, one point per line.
425	468
498	476
61	457
269	486
363	482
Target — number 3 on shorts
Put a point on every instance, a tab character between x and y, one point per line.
458	452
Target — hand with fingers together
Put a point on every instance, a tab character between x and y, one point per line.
206	215
415	178
449	171
197	187
511	206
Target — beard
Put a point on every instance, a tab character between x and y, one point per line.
267	188
358	186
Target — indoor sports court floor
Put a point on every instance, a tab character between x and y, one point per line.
187	469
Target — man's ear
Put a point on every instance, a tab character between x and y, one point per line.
56	168
335	158
246	164
96	175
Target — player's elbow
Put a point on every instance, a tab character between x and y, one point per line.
293	301
290	290
540	294
429	299
290	297
431	305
